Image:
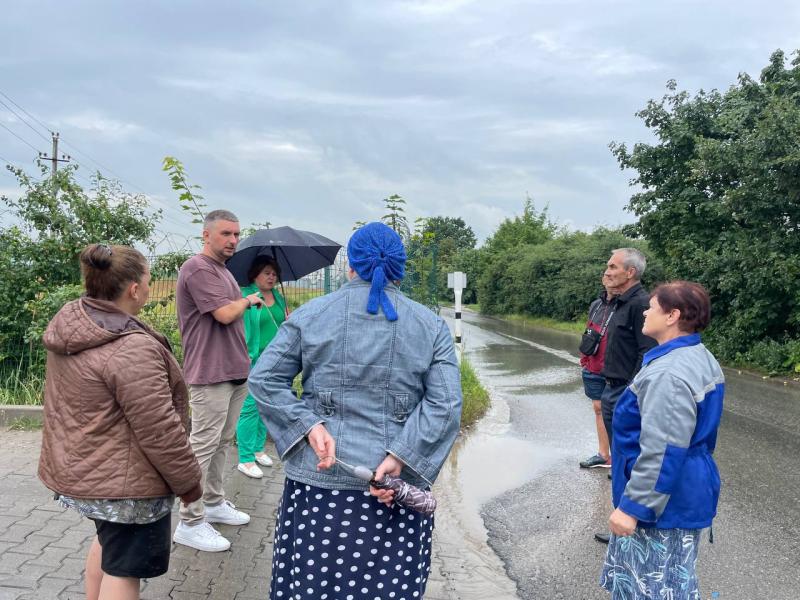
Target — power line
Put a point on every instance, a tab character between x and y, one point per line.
162	205
71	145
20	138
128	183
36	131
46	127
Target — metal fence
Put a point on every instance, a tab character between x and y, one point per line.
319	283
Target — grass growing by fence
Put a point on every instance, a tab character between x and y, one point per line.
476	398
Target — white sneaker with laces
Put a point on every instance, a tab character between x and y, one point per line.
263	460
251	471
201	537
226	513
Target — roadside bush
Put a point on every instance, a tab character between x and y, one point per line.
775	357
160	315
55	218
45	306
556	279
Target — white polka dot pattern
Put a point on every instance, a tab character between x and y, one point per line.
345	544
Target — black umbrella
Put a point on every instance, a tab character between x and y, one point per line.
298	252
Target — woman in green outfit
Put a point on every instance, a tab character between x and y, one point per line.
260	326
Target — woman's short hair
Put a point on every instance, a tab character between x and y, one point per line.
108	270
688	297
258	265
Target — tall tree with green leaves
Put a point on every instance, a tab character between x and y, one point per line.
452	235
47	231
531	227
720	199
395	216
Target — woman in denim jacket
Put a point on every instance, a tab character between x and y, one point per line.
381	388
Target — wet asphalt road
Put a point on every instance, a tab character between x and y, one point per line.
542	527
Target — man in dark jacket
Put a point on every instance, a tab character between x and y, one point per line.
626	344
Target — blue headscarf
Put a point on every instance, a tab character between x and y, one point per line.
376	253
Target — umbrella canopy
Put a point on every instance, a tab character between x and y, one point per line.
298	252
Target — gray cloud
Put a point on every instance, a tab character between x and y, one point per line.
310	113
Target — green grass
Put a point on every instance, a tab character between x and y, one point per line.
27	391
25	424
476	398
567	326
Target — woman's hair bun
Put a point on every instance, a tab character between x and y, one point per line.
97	256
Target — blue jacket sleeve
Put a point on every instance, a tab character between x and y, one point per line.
669	416
432	427
288	418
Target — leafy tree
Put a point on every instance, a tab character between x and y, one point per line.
720	199
395	216
53	220
452	235
248	231
532	227
469	262
421	268
165	266
529	229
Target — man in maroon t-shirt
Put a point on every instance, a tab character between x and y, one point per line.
600	312
216	364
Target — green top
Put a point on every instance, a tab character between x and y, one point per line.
261	324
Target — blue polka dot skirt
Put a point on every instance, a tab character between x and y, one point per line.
345	545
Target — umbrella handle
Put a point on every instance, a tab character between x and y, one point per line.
408	495
285	299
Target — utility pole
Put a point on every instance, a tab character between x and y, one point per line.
54	157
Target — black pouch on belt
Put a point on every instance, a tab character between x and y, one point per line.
590	342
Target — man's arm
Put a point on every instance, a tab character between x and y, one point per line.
211	295
230	312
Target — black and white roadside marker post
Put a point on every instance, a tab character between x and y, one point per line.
457	282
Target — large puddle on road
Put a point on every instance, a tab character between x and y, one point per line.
484	463
489	461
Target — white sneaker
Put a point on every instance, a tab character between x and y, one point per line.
263	460
201	537
251	471
226	513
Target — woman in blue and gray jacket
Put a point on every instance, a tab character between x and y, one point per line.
665	481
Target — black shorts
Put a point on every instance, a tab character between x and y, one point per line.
131	550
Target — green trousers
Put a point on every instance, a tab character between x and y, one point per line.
251	433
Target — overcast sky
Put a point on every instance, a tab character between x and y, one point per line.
310	113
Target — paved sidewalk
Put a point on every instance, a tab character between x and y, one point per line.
43	547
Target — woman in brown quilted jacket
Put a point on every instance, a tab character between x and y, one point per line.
115	443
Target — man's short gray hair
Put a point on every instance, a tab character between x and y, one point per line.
219	215
633	259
